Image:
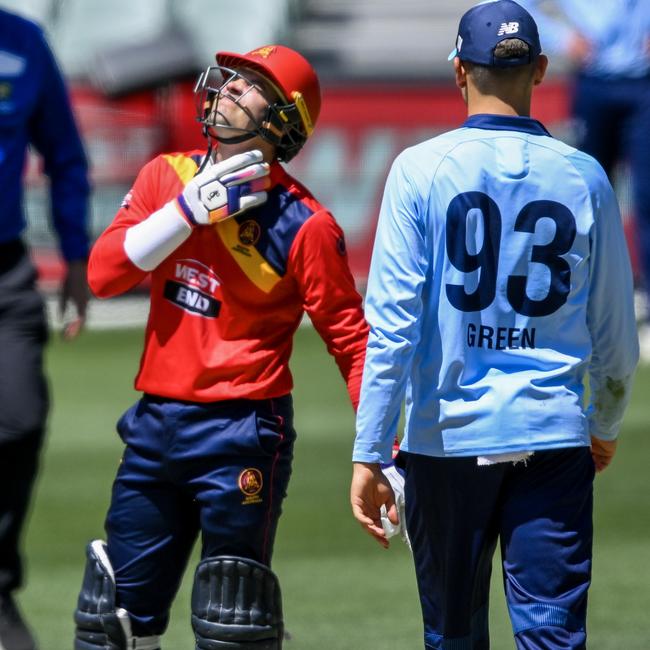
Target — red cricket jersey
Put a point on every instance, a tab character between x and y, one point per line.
226	303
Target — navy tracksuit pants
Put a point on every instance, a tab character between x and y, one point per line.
541	512
221	469
613	118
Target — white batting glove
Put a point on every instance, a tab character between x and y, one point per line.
396	479
225	189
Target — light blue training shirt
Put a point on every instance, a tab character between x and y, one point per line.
500	276
618	30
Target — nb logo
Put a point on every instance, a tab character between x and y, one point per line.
508	28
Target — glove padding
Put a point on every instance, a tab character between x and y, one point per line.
395	477
226	189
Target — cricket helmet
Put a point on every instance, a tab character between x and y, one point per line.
291	118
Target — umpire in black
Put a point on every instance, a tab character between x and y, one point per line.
34	110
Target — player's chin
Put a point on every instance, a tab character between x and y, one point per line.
231	129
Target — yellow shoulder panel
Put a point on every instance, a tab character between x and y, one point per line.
258	270
184	166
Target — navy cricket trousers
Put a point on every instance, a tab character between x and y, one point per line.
221	469
541	512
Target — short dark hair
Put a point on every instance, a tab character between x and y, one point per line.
512	48
484	77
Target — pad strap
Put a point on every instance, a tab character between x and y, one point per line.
99	625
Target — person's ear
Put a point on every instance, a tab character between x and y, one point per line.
541	66
461	73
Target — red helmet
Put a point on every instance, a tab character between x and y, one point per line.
297	82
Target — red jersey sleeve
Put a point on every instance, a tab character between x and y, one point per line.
319	261
110	271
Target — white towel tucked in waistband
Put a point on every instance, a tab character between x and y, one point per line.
513	457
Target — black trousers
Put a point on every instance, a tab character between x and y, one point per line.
23	400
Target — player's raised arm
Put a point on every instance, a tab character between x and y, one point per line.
143	235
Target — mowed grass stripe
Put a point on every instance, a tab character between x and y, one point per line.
341	591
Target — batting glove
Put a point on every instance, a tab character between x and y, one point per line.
395	477
225	189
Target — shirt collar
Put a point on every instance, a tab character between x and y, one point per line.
506	123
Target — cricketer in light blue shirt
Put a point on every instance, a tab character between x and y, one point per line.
500	276
619	31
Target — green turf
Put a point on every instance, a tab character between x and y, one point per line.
341	591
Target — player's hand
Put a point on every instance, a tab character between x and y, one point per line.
395	477
226	188
602	451
74	290
370	490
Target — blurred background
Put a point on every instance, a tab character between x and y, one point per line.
383	66
387	84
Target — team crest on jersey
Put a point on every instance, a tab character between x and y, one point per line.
126	201
508	28
264	52
249	232
194	288
250	483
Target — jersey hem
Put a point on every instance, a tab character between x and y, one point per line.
487	451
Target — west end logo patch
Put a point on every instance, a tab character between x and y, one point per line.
249	232
250	483
193	288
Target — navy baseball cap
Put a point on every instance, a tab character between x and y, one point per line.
485	25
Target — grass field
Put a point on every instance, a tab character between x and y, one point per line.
341	591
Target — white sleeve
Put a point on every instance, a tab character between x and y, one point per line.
149	242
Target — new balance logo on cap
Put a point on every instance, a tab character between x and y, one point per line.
508	28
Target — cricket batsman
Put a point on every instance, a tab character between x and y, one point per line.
237	251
